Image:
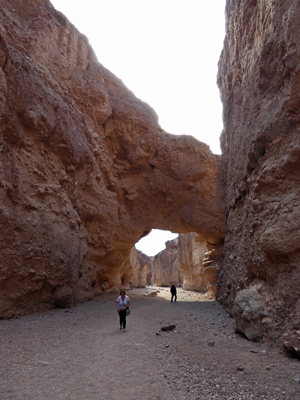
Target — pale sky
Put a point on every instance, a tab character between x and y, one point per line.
166	52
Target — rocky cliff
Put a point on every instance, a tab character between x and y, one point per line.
140	267
146	264
191	251
85	170
166	267
189	261
259	79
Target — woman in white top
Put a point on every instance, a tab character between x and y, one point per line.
122	303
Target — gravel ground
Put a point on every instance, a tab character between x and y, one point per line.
81	354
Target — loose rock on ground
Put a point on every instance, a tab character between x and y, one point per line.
80	353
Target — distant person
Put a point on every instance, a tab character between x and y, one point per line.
173	292
122	303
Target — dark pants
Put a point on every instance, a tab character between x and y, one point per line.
122	315
174	294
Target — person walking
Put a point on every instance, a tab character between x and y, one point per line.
173	292
122	303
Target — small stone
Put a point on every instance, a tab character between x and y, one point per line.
167	345
168	328
211	344
297	380
240	367
254	351
268	368
157	333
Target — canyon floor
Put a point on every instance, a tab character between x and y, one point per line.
81	354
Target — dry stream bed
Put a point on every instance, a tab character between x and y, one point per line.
81	354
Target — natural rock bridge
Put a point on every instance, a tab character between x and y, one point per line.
86	170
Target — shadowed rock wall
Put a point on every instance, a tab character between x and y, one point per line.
259	79
85	170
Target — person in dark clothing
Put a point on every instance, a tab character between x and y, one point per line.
173	292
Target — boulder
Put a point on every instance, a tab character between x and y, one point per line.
249	312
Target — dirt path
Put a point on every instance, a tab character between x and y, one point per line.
81	354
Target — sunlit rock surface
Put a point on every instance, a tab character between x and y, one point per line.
259	78
212	262
189	261
141	268
191	251
166	266
146	264
85	169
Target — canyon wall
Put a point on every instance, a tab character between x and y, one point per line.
146	263
212	264
166	267
182	262
191	251
85	170
259	80
141	267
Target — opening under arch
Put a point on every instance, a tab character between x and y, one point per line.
155	241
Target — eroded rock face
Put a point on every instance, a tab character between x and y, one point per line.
85	168
212	263
141	267
146	264
166	265
259	78
191	251
189	261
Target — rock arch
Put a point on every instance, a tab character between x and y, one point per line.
86	170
